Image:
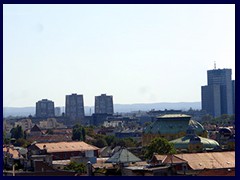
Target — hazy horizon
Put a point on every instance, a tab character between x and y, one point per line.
113	104
138	53
118	108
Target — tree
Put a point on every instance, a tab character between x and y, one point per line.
5	139
100	142
78	133
110	140
17	132
22	143
130	142
207	118
90	131
77	167
160	146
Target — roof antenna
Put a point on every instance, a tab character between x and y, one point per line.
214	64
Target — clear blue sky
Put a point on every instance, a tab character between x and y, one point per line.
137	53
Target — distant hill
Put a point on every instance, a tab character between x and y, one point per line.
157	106
121	108
18	111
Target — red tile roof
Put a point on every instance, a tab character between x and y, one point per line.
66	146
15	153
168	159
209	160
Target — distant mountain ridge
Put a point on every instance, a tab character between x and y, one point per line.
120	108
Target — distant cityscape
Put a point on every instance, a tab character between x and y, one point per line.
140	140
217	98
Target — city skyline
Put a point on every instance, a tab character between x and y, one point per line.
218	95
136	53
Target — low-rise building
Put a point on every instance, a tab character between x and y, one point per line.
113	123
196	163
64	150
12	156
170	127
24	123
194	143
51	123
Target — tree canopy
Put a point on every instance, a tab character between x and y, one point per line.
78	133
160	146
17	132
77	167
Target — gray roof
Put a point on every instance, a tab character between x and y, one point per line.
172	127
183	142
123	156
174	116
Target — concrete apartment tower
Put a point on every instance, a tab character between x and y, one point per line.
218	97
74	107
103	104
45	108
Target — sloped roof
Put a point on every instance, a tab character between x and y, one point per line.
168	159
123	156
159	157
66	146
105	151
173	159
172	127
14	153
212	160
35	128
183	142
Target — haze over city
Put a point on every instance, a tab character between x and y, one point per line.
137	53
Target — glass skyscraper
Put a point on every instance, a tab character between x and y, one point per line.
218	97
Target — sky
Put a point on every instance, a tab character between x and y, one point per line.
138	53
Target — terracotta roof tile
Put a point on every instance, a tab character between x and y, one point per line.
66	146
15	153
209	160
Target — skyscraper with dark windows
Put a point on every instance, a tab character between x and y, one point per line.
217	96
103	104
74	107
45	108
233	91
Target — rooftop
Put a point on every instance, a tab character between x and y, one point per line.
183	142
174	116
66	146
15	153
172	127
209	160
123	156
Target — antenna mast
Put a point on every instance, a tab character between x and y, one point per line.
214	64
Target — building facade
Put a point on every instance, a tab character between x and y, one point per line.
170	127
218	95
57	111
103	104
64	150
45	108
233	91
24	123
74	107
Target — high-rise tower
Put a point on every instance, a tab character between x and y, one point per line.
45	108
217	96
74	108
103	104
